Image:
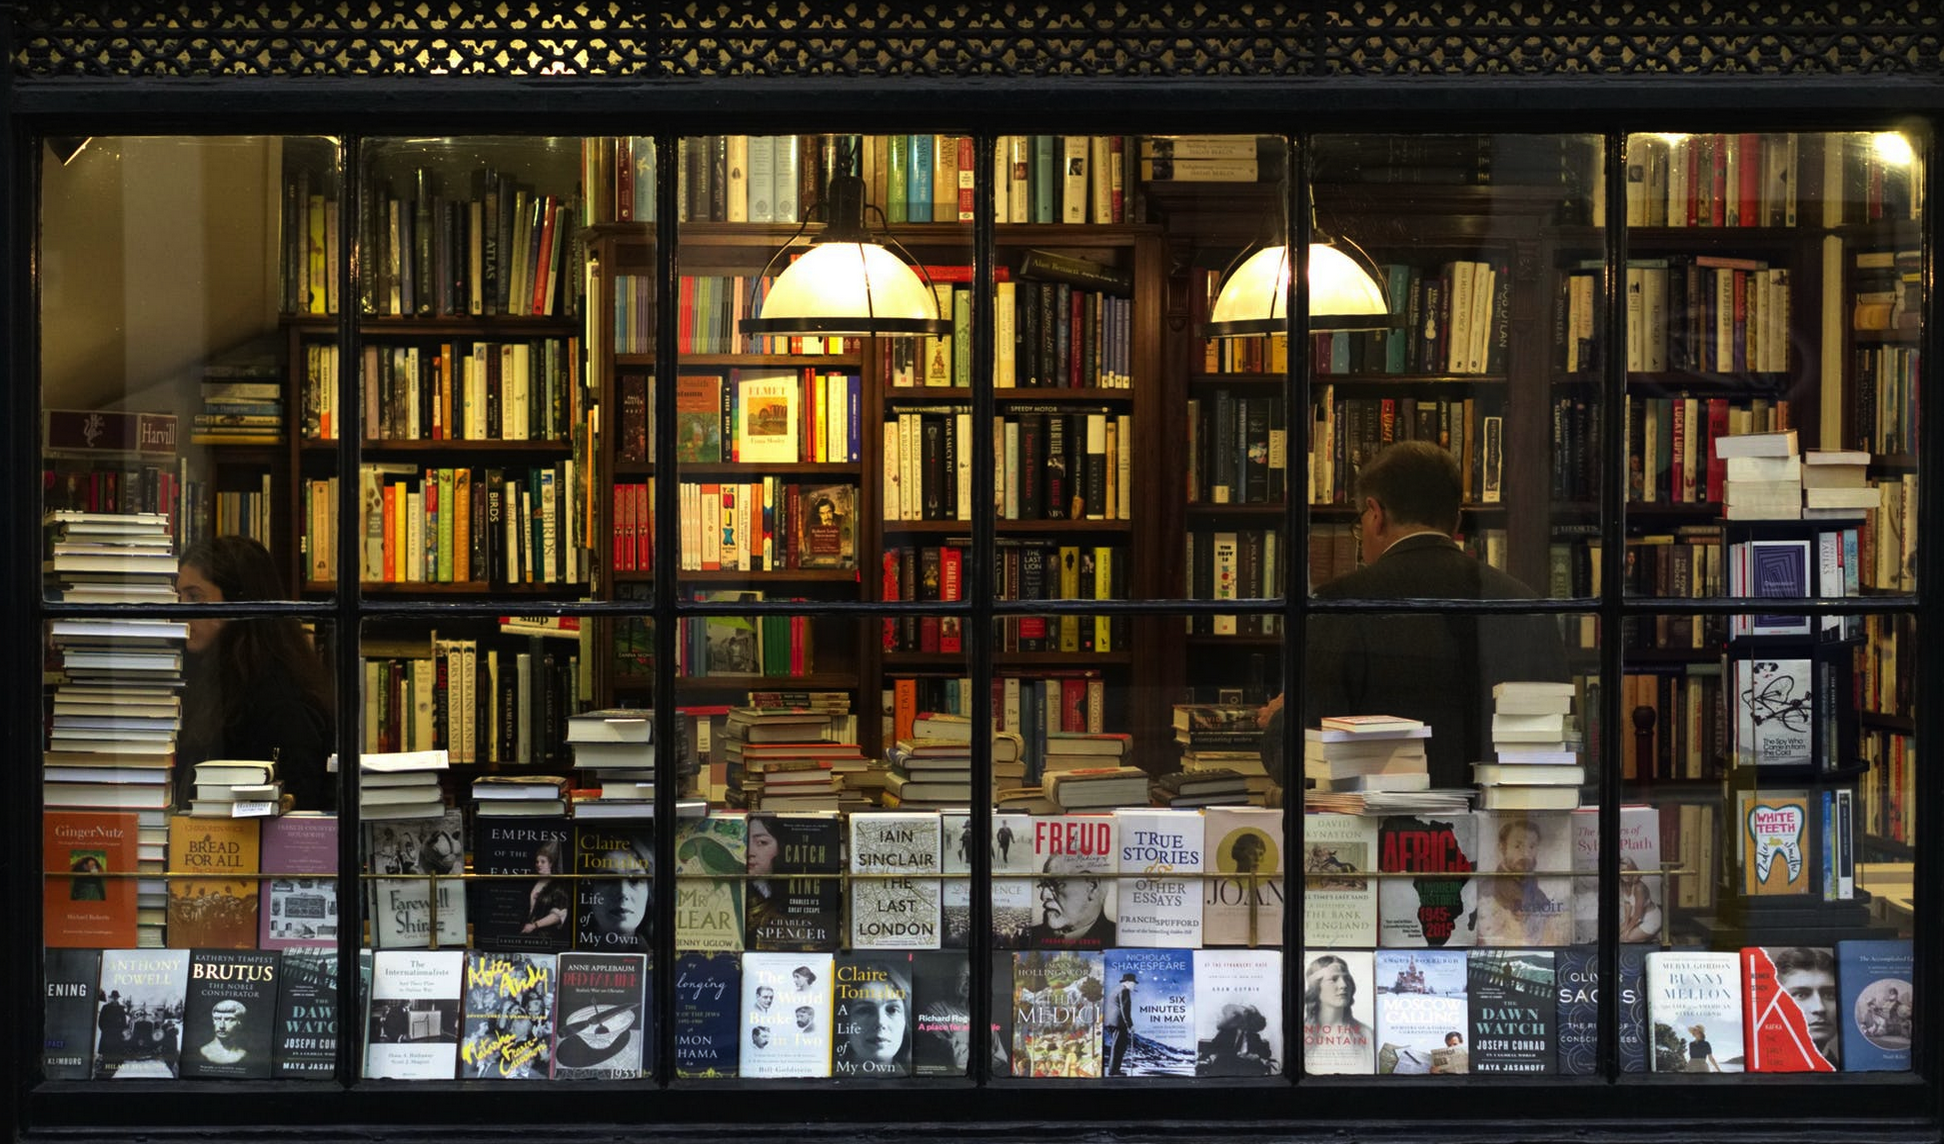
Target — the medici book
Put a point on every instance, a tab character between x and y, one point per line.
711	861
509	1016
1242	891
298	908
1879	1005
1514	1011
1162	906
1423	1014
786	1014
601	1029
231	1016
871	1010
1694	1004
525	902
138	1021
1339	1012
412	1025
1339	905
795	897
306	1036
1430	910
1149	1020
1238	1012
68	1036
427	905
79	910
217	907
1056	1012
708	1014
893	904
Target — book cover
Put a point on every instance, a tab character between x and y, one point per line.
603	1030
891	906
1422	1012
1012	880
871	1011
1242	903
509	1016
526	904
1772	842
801	913
1634	1030
1525	892
614	895
67	1038
698	418
231	1016
1694	1001
786	1007
1879	1005
1149	1019
138	1024
711	854
1339	908
295	910
1641	892
1073	907
307	1015
708	1014
766	417
1776	570
1162	906
1576	1010
78	911
416	911
218	912
827	533
1056	1012
1238	1012
412	1021
1514	1011
1790	1012
941	999
1773	712
1339	1012
1425	911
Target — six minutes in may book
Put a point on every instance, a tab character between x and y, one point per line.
1694	1005
1162	905
1336	1042
413	1028
1422	1012
1149	1019
1238	1012
786	1006
892	905
1339	908
231	1014
601	1032
218	911
138	1023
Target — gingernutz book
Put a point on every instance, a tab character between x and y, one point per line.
708	1015
231	1016
305	1045
872	1014
1056	1012
138	1020
81	912
603	1031
1148	1026
509	1016
1514	1011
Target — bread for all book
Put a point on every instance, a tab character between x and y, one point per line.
708	1015
1056	1012
1238	1012
1525	893
1012	879
1423	1014
1149	1023
1514	1011
1339	1012
231	1016
1242	899
786	1009
1339	906
893	903
711	858
1642	894
138	1032
1790	1009
872	1014
418	912
1694	1001
1432	910
412	1023
509	1016
1161	907
614	891
1879	1005
67	1038
298	908
79	910
216	908
804	911
602	1030
306	1037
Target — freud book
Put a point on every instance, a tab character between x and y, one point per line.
1878	1004
614	893
708	999
79	911
1428	911
1525	896
1694	1001
1238	1012
711	856
427	908
805	912
1242	899
1073	905
138	1023
1339	908
941	1003
891	906
1514	1011
1790	1011
1641	895
1056	1012
231	1018
509	1016
1149	1020
1422	1013
412	1025
1162	905
297	910
1012	879
872	1004
602	1031
69	1035
305	1047
1339	1012
217	911
786	1014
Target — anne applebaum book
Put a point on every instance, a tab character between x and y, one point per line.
1162	906
1238	1012
602	1031
1339	908
509	1016
1423	1016
1056	1012
1694	1006
1431	910
68	1037
1514	1013
307	1015
711	860
412	1025
1149	1023
1339	1012
231	1019
892	905
1242	903
708	1015
872	1030
1790	1011
786	1010
298	911
138	1025
82	912
1879	1006
218	910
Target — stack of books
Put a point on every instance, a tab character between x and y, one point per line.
1223	737
1764	476
513	796
1836	485
1075	750
615	753
237	788
1537	742
782	758
112	738
1097	788
110	558
1187	789
928	774
401	784
1199	159
936	729
242	401
1372	764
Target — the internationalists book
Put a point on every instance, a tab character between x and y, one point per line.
1238	1012
1339	1012
413	1028
1149	1022
1422	1012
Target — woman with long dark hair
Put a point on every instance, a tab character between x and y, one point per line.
256	688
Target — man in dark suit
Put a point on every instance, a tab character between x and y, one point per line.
1437	667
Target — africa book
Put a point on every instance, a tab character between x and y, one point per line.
1428	911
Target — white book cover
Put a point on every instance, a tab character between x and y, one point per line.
1012	896
413	1030
766	417
1641	893
786	1005
1238	1012
1339	907
1694	1008
1773	710
1339	1012
1161	906
1242	904
1525	896
1073	906
1423	1012
893	906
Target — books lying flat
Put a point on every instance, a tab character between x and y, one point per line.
1781	444
1524	774
1433	801
1373	725
618	725
1505	797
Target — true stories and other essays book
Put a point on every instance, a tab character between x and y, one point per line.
138	1024
602	1030
1238	1012
1242	903
1162	906
412	1025
218	908
1339	907
68	1036
1790	1010
1339	1012
801	912
786	1008
1012	880
231	1014
79	911
1879	1005
708	1015
1423	1013
307	1015
297	910
1525	896
614	894
895	860
1148	1021
1432	910
1056	1012
1514	1011
509	1016
408	912
1694	1001
711	858
872	1030
535	910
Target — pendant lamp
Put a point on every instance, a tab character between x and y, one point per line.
1343	288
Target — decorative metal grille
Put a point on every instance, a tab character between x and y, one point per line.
802	38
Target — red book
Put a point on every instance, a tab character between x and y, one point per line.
541	279
891	588
644	516
1790	1009
1751	180
967	168
623	528
1073	705
83	912
1717	466
951	578
904	708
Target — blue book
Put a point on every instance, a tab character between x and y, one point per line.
918	180
708	1019
1149	1028
1879	1005
1633	1008
1046	178
1578	993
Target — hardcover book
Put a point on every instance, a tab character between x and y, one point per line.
1162	906
1878	1004
1694	1000
1514	1011
1242	904
941	999
298	911
68	1037
1339	1012
1422	1012
1339	908
1149	1023
892	907
1641	894
1427	911
1525	893
827	532
786	1006
217	912
307	1015
1012	879
766	417
1576	1009
1790	1011
509	1016
708	1015
79	911
1774	707
529	905
614	895
1238	1012
1773	842
1056	1012
138	1026
698	418
412	1021
603	1031
872	1006
418	912
1634	1030
711	855
231	1015
800	913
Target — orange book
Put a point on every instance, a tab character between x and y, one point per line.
217	910
392	516
904	708
462	524
82	912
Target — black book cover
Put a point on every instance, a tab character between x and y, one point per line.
871	1015
307	1015
231	1015
1063	336
1057	488
932	479
533	912
1514	1011
614	895
605	1029
1026	342
949	492
1049	324
941	1001
708	1018
509	1016
139	1021
68	1038
795	913
486	190
1089	578
1031	458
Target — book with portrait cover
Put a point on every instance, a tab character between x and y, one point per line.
218	911
417	912
1526	894
1012	880
614	891
1642	898
1056	1012
1076	911
533	911
138	1024
872	1014
708	1015
1879	1005
1242	902
231	1018
1162	907
711	859
890	907
941	1002
786	1014
1429	911
1339	908
1149	1018
1238	1012
827	527
509	1016
305	1047
1339	1012
1514	1011
698	418
1694	1001
68	1036
298	911
82	912
1790	1011
603	1030
1422	1012
412	1020
806	912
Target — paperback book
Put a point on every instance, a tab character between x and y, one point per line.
1162	906
1422	1012
1339	1012
1879	1005
1339	907
1242	903
1514	1011
1074	907
68	1037
872	1007
941	1001
1149	1023
1790	1011
1433	909
1056	1012
231	1016
297	910
786	1006
708	1015
1012	880
307	1015
711	858
218	907
1641	894
138	1025
603	1031
614	902
412	1028
418	911
524	904
1238	1012
79	910
893	906
1525	892
804	911
509	1016
1694	999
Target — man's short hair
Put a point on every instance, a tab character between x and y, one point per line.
229	1006
1416	482
1798	958
1511	824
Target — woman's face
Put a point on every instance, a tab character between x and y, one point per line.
195	588
880	1028
542	864
1335	989
762	847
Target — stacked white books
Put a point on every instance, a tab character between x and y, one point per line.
1075	750
401	784
1370	764
615	751
1764	476
1097	788
938	728
1836	485
236	788
1537	742
519	796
